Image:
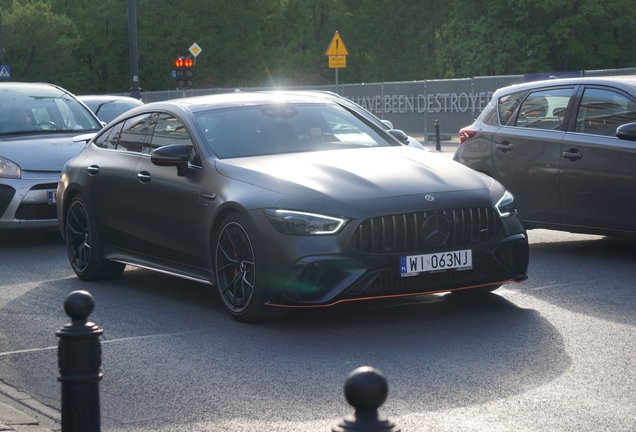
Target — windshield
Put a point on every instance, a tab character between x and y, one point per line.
275	129
31	110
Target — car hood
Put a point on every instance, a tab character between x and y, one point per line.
349	175
40	152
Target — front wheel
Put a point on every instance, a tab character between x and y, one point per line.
238	271
84	244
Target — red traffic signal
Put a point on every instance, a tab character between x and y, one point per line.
184	73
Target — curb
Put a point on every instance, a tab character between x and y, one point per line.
22	413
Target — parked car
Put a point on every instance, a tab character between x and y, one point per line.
283	200
348	103
39	128
107	107
565	148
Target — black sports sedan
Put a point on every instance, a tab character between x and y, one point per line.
565	148
283	200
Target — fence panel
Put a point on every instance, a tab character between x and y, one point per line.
412	106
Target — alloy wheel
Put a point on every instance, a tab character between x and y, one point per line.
235	267
78	236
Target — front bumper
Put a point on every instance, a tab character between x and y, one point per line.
28	202
320	271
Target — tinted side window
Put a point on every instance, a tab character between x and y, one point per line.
109	138
507	105
134	132
544	109
490	114
602	111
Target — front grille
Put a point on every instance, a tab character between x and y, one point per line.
514	255
36	212
406	233
6	195
389	282
44	186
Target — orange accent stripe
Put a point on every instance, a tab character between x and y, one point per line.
384	296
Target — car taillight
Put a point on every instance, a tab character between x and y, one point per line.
466	134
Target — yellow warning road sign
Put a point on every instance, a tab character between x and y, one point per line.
337	47
337	62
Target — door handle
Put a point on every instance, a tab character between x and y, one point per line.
504	147
93	169
572	155
143	176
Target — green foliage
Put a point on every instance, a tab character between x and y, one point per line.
497	37
84	45
41	43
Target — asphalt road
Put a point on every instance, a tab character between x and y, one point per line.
553	353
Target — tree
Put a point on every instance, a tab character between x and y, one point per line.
103	57
39	43
498	37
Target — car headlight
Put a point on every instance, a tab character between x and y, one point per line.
9	169
300	223
506	205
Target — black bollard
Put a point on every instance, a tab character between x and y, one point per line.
438	146
366	390
80	360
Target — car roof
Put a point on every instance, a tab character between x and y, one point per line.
99	98
627	81
235	99
24	87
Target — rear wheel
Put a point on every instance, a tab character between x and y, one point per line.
84	244
238	272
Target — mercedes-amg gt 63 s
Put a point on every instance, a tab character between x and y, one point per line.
283	200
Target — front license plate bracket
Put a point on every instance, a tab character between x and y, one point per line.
412	265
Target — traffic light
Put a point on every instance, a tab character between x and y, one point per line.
184	73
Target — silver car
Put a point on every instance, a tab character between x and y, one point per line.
41	127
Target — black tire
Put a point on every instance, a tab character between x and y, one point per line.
239	272
84	244
475	292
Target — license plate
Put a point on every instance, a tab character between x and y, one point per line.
410	265
51	197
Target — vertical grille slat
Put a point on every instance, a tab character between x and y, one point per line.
401	233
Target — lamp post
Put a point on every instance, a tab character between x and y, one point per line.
132	38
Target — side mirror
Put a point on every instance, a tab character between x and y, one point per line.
627	132
172	155
387	123
400	136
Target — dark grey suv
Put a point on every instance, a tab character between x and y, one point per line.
565	148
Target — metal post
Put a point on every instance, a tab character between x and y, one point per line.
80	361
366	390
132	39
438	146
1	41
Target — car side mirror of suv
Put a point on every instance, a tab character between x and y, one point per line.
400	136
627	132
172	155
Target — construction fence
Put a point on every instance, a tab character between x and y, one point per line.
413	106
